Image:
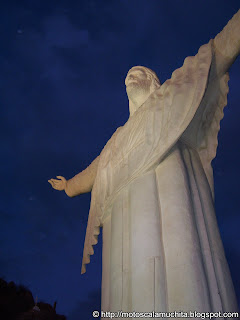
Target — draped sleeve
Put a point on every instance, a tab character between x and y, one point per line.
202	132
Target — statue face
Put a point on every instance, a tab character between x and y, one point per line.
138	86
137	82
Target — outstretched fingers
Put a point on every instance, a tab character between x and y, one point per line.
54	183
51	182
58	184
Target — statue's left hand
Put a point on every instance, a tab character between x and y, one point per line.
58	184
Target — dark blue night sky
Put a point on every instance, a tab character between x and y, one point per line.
63	65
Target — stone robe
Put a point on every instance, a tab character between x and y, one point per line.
153	196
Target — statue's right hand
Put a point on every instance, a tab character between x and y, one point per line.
58	184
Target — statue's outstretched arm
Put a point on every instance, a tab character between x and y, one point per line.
227	45
80	183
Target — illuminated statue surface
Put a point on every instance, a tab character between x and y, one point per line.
152	190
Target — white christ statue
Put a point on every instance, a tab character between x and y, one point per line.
152	190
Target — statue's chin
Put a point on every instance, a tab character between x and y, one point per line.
136	91
137	95
132	89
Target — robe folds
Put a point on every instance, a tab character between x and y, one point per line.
153	195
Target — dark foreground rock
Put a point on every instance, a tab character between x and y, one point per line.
17	303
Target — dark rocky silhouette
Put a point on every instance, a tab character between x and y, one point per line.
17	303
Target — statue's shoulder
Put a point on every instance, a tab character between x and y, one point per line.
190	79
155	99
111	141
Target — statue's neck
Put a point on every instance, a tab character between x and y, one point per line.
137	100
135	105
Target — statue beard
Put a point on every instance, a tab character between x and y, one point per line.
137	94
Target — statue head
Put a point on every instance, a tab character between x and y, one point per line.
140	83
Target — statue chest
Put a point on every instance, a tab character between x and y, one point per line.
125	154
129	143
